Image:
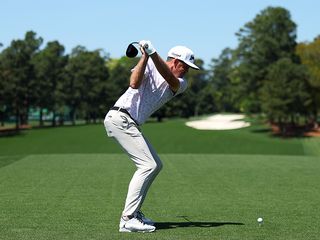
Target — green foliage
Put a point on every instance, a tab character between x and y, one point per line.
222	88
85	82
264	74
120	71
310	57
49	66
17	75
268	38
286	94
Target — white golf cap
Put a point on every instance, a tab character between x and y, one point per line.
184	54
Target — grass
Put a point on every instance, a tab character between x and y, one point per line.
167	137
197	196
70	183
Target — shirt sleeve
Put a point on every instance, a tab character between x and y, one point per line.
149	68
183	86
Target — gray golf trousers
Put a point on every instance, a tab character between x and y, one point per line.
125	131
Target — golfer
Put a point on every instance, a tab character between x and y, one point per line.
153	82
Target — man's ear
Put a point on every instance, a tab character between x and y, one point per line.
175	62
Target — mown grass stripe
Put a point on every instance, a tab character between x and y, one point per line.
167	137
196	196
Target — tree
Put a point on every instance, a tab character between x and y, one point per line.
222	85
262	42
286	93
207	98
96	85
197	81
49	65
86	71
17	74
309	54
3	93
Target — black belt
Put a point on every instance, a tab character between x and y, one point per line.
123	111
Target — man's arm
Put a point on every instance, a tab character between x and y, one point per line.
138	72
165	72
161	65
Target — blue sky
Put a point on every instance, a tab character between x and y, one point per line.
205	26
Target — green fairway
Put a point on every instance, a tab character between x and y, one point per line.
167	137
197	196
71	182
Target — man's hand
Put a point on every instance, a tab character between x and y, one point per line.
143	52
147	46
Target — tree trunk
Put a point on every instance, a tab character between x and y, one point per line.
73	116
61	119
2	119
87	118
196	111
41	118
17	119
25	114
53	123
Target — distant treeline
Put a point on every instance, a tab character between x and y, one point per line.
268	73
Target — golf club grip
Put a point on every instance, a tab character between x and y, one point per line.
132	51
144	46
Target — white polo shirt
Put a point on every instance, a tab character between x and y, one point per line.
153	92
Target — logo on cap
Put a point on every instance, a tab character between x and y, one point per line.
191	58
177	55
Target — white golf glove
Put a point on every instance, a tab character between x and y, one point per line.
147	45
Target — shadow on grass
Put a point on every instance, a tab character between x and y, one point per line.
261	130
22	131
292	134
11	133
170	225
7	160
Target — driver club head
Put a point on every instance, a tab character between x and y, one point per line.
132	51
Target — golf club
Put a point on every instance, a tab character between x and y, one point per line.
132	50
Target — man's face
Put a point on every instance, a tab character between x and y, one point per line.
180	68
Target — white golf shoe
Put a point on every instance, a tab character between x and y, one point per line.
144	219
135	225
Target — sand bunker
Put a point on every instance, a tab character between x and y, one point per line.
220	122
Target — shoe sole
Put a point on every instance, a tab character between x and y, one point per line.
142	231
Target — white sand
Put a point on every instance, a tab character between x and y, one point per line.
220	122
